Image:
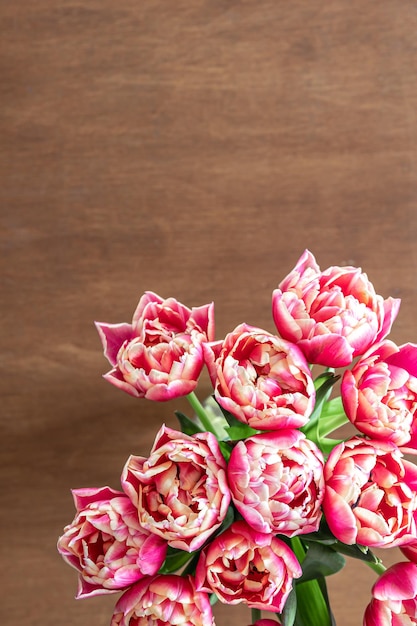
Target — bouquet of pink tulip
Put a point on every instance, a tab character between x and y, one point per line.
253	502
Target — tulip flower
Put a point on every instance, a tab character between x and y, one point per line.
263	380
370	494
159	355
380	392
334	315
180	491
277	484
243	565
106	543
163	600
394	597
410	551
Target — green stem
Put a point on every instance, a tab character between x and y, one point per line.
256	614
379	568
201	414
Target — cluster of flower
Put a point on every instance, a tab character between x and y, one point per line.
247	506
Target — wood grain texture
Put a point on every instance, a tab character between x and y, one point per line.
192	148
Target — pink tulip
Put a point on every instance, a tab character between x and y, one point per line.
180	491
370	494
159	355
161	601
265	622
394	597
106	544
277	484
410	551
380	392
243	565
333	316
263	380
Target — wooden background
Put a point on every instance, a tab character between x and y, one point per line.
194	148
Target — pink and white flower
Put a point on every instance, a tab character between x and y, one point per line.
159	355
277	484
380	392
334	315
161	601
106	543
370	494
180	491
394	597
263	380
410	551
243	565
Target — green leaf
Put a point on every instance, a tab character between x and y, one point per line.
240	432
323	384
355	551
230	418
312	605
323	588
333	407
175	559
187	425
320	560
189	570
287	617
332	416
225	449
236	429
326	444
312	602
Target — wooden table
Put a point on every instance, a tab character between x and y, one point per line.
194	149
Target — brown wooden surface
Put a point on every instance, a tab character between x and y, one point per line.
192	148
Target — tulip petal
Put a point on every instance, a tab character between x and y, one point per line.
112	337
